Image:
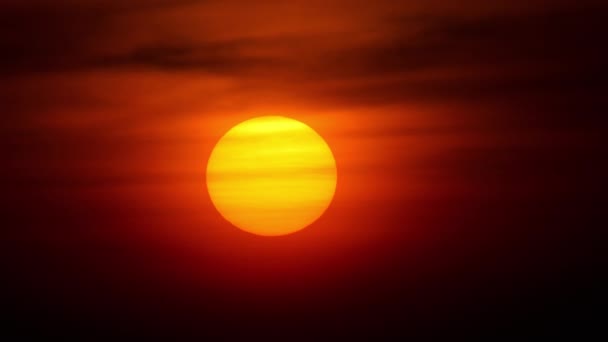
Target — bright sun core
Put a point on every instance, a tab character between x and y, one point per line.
271	175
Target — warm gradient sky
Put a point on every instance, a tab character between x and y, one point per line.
466	135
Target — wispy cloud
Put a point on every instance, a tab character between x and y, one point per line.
67	61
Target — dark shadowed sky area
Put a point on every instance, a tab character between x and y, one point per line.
467	136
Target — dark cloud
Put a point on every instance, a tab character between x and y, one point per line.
560	43
219	57
61	36
545	51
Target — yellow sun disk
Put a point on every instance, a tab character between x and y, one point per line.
271	175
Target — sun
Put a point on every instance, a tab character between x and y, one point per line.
271	175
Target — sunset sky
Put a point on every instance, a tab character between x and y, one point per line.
466	136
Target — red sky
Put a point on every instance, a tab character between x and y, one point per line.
465	134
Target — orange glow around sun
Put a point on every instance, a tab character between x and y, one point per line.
271	175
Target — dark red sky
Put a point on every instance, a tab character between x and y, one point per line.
467	138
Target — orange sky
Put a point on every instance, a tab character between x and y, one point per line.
113	107
124	102
128	99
